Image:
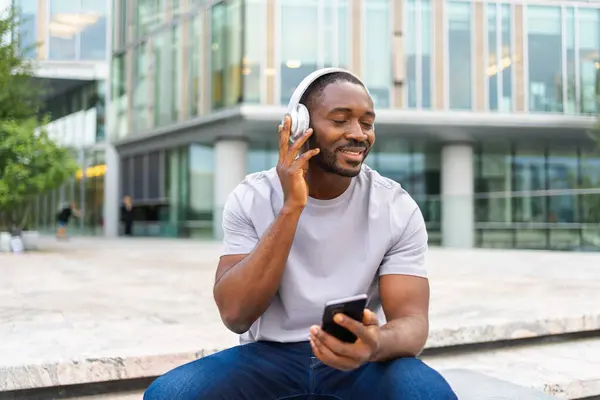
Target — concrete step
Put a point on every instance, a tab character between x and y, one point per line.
568	370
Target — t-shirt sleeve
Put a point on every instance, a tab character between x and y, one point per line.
239	234
406	255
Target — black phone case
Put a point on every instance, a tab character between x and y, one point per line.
352	309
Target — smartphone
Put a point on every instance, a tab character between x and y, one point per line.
353	307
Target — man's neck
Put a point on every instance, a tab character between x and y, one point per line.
325	185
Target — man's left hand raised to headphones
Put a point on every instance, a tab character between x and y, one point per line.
292	168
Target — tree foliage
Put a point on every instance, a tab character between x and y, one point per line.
20	95
30	162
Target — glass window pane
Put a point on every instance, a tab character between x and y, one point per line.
150	13
494	183
377	51
233	62
201	183
28	27
65	24
562	170
589	58
544	58
93	33
163	71
529	176
590	178
195	51
254	44
571	101
218	48
410	49
226	57
176	55
505	64
426	51
492	67
459	55
140	88
299	46
118	105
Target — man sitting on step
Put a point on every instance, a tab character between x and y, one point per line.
319	227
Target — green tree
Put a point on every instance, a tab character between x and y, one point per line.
30	164
20	95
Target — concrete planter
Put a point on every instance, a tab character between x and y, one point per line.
29	241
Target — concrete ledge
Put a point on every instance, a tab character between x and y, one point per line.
470	385
513	330
100	369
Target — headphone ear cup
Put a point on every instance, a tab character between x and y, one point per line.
302	121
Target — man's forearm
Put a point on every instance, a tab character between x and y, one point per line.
246	290
402	337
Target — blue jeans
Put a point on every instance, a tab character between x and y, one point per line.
276	371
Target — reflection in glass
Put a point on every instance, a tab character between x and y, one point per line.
150	14
195	51
529	175
254	43
176	55
334	33
410	49
426	52
118	104
376	68
492	67
459	55
140	88
28	27
226	54
562	171
201	176
64	26
571	89
93	33
299	46
589	58
162	84
493	180
506	57
544	58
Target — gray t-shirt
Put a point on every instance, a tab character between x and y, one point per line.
340	249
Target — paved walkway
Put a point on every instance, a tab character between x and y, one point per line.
90	299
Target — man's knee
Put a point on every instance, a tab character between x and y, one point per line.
408	375
187	382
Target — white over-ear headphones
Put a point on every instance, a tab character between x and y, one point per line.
298	112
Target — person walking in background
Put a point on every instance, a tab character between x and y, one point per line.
63	217
127	215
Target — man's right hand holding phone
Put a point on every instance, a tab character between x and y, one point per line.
347	356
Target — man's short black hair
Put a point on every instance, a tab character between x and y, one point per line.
314	92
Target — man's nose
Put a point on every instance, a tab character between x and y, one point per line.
355	132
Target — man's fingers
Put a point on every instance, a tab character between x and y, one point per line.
370	318
351	324
284	138
298	143
324	353
304	157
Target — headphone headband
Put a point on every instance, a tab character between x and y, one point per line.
298	112
308	80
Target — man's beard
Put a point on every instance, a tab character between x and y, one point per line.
327	160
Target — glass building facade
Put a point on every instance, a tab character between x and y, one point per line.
67	40
176	62
63	29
